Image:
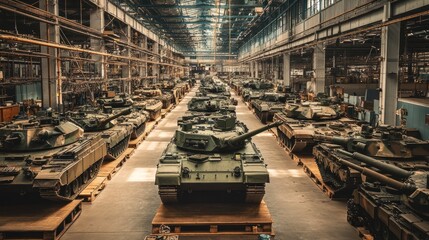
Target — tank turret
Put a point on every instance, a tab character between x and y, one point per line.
96	122
384	145
195	141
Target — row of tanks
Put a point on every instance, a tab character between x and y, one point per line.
211	156
382	170
55	156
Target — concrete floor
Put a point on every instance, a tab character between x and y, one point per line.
124	210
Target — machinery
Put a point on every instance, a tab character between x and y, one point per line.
118	101
116	135
310	111
138	118
153	106
208	104
393	203
212	162
49	157
267	105
296	134
392	148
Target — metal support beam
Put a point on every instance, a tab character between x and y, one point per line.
286	69
51	70
199	6
390	42
318	82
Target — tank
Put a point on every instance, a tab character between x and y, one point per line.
212	162
116	135
392	203
47	157
118	101
310	111
208	104
267	105
138	118
204	117
151	105
405	152
296	133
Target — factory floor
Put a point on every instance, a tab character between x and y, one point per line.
124	210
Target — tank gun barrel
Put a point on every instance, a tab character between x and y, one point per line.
380	177
114	116
250	134
389	168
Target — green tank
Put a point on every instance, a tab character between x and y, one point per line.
392	147
138	118
116	135
118	101
212	162
48	157
301	121
392	202
152	105
267	105
208	104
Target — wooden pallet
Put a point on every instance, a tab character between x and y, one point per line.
312	170
164	112
199	219
107	171
90	193
364	234
44	220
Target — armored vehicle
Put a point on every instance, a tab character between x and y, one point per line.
138	118
296	132
207	104
391	147
164	96
204	117
267	105
116	135
392	203
49	157
212	162
153	106
118	101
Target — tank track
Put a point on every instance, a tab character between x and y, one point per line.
138	131
71	191
168	194
118	149
254	193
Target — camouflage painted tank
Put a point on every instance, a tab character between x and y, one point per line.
392	203
151	105
207	104
116	135
390	147
119	101
204	117
297	135
267	105
138	118
49	157
212	162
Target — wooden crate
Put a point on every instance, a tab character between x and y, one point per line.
44	220
8	112
198	219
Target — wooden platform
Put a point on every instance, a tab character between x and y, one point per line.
199	219
107	170
165	111
312	170
47	220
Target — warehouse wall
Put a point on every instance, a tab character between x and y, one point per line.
416	116
28	91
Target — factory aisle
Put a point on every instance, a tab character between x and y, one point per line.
124	210
298	207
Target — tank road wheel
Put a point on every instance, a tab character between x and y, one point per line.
85	176
66	191
75	186
92	171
